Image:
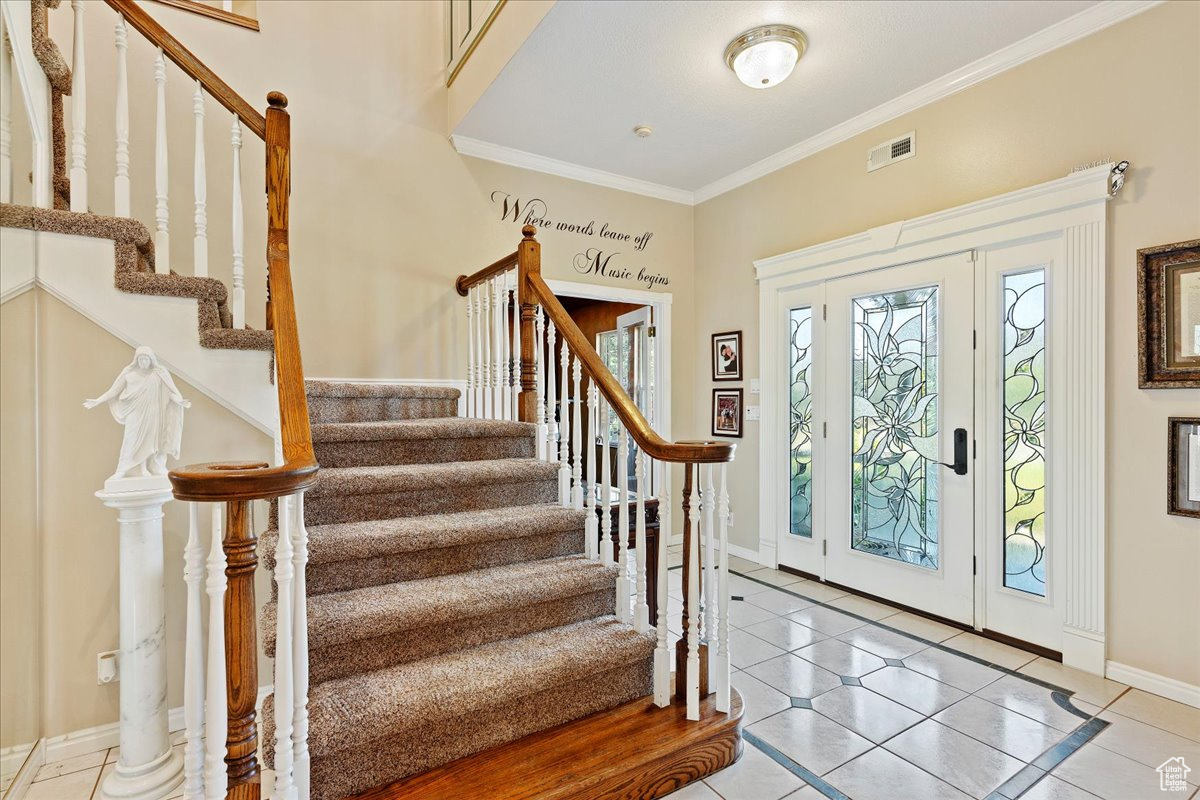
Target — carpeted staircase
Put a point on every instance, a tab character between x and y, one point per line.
450	607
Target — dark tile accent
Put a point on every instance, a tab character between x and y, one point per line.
893	662
848	681
1064	702
801	702
1020	783
736	597
1065	748
811	778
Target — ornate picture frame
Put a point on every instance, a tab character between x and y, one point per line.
727	413
727	356
1168	296
1183	466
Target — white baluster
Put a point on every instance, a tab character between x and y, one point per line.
564	439
471	352
708	506
506	397
7	98
300	650
79	181
624	589
576	437
693	599
591	525
722	682
498	373
539	358
516	352
193	660
551	395
200	239
484	405
662	655
216	709
606	545
284	571
641	609
237	300
162	239
121	179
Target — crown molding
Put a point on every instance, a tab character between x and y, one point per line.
564	169
1085	23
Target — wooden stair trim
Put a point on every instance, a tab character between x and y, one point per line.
633	752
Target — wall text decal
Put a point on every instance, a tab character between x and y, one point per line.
602	261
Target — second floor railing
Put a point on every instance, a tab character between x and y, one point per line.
518	369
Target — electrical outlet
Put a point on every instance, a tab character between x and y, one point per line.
108	667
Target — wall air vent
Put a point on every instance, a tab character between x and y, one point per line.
891	151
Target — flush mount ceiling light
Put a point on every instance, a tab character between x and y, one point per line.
764	56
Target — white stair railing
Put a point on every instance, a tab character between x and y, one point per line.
564	441
121	184
162	216
79	182
200	190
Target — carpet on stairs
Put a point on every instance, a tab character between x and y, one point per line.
450	607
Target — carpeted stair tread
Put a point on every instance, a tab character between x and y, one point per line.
353	712
430	477
319	388
382	610
410	429
353	541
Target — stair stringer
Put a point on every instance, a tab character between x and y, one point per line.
78	270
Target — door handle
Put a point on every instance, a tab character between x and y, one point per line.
960	452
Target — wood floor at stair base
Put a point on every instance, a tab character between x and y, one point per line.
633	752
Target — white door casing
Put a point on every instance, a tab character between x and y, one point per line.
1071	212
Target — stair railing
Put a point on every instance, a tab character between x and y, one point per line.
221	684
513	322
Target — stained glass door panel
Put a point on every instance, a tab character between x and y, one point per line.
800	416
894	421
899	380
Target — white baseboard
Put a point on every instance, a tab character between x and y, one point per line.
102	737
1154	683
29	764
743	552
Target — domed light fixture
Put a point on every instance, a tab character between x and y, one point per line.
764	56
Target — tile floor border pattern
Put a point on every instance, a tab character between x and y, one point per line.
1015	786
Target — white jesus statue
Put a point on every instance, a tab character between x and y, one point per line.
144	399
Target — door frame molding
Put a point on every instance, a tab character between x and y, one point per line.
1073	210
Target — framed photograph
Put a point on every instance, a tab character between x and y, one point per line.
727	356
727	412
1169	316
1183	466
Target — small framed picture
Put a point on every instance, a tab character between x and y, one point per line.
727	412
1169	316
1183	466
727	356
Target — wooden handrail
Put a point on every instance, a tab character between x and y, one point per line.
249	481
627	411
145	24
465	282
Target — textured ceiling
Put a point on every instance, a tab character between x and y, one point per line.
594	69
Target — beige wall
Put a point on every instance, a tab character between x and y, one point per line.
20	640
1132	92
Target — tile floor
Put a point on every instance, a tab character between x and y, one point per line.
846	697
849	698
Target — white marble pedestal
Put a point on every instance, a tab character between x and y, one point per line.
147	769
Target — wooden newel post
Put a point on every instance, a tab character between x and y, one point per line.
241	650
279	184
529	262
681	646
